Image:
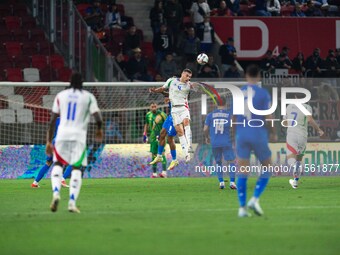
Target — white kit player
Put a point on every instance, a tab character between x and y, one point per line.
74	106
297	133
179	89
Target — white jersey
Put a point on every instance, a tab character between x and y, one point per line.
74	107
294	113
178	92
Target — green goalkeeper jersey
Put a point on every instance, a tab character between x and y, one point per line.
155	124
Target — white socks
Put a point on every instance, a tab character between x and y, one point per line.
75	185
56	175
184	143
188	135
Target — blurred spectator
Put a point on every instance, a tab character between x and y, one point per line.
314	64
174	19
268	62
199	10
232	72
285	50
326	92
261	8
157	16
137	67
312	10
190	46
206	33
168	67
282	62
331	65
274	7
186	5
213	3
162	43
209	70
112	18
222	10
120	59
228	54
337	55
132	41
159	78
94	16
299	63
234	6
297	11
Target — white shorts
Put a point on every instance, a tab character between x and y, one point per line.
70	153
179	114
296	143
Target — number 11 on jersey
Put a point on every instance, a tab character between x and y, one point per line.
71	110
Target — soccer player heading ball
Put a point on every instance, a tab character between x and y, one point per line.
179	89
74	106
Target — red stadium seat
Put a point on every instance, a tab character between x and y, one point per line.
39	61
64	74
12	22
28	22
13	49
14	74
56	61
29	48
37	35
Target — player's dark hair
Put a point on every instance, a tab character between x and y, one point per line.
187	70
253	71
76	81
222	102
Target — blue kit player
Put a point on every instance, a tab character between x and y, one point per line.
252	136
169	130
48	164
217	133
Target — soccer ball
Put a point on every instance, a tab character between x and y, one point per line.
202	59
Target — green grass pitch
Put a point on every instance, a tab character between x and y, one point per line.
170	216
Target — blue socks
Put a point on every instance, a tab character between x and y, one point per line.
219	171
232	173
67	172
42	172
242	189
173	154
260	186
160	149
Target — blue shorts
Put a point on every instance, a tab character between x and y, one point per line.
169	126
246	142
227	152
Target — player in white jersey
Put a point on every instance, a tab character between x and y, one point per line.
74	106
297	133
179	89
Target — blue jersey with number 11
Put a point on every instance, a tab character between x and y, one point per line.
218	122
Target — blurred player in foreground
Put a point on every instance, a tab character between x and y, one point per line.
297	133
49	160
168	130
179	89
217	133
74	106
154	120
250	138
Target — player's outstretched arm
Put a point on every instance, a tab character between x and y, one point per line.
206	134
50	132
315	125
157	90
99	132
